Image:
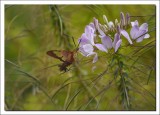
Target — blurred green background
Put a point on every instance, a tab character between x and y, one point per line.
33	80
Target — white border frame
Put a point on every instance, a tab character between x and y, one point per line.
79	112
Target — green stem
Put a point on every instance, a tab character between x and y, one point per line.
123	86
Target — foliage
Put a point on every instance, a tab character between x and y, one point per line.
117	81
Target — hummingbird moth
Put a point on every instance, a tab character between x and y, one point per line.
67	57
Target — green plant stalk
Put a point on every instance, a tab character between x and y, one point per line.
123	86
126	92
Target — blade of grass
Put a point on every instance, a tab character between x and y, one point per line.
67	97
9	25
143	88
72	98
12	63
149	76
104	89
37	82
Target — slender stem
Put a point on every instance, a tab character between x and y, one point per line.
125	97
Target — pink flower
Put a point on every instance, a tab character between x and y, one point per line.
87	42
139	33
106	40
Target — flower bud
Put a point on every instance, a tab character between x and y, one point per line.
122	22
116	22
106	27
127	19
105	19
111	24
96	23
118	29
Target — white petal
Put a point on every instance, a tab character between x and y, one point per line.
93	27
116	39
140	35
101	47
144	26
89	34
88	48
146	36
83	40
92	39
96	23
134	32
87	29
110	24
82	51
101	32
98	28
132	23
106	41
118	44
125	34
135	23
140	39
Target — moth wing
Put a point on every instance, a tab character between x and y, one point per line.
55	55
65	53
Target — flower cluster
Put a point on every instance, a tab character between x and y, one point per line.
95	30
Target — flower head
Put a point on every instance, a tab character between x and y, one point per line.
106	40
139	33
87	42
105	32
